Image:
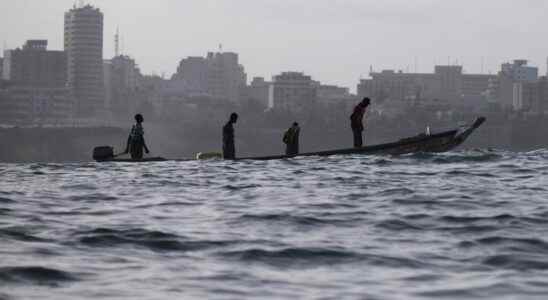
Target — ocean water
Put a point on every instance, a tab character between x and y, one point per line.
459	225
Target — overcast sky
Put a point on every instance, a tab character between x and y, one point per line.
335	41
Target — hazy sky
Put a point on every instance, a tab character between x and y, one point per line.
335	41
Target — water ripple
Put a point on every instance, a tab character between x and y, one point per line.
458	225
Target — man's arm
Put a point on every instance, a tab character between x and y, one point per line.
145	146
127	144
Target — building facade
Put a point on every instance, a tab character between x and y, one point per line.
1	68
23	106
218	75
294	92
514	81
396	86
35	66
259	91
226	76
194	71
122	85
84	48
447	84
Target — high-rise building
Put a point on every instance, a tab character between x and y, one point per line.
84	47
35	66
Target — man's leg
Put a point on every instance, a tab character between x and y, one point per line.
229	152
358	141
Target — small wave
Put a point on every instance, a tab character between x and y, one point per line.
6	200
396	191
93	197
472	219
240	187
530	245
397	225
516	262
5	297
419	216
19	234
5	211
294	256
417	200
314	257
152	240
473	292
469	229
35	275
286	218
456	157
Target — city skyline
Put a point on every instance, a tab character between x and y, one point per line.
275	36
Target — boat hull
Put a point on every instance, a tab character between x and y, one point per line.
435	143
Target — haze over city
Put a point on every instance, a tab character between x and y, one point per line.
333	41
273	149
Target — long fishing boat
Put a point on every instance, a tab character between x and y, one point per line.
432	143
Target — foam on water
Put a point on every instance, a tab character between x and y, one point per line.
460	225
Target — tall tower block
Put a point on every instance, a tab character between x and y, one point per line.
84	48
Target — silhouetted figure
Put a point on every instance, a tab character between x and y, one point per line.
136	140
356	120
229	150
291	140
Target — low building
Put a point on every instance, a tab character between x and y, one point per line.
447	83
259	92
122	82
35	66
533	96
392	85
474	86
332	96
24	106
514	80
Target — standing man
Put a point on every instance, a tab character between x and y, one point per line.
229	150
356	120
291	140
136	140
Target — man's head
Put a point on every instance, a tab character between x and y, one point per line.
295	124
139	118
365	102
234	118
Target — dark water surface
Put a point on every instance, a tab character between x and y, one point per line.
461	225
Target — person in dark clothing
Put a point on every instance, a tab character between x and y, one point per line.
356	120
229	150
291	140
136	140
